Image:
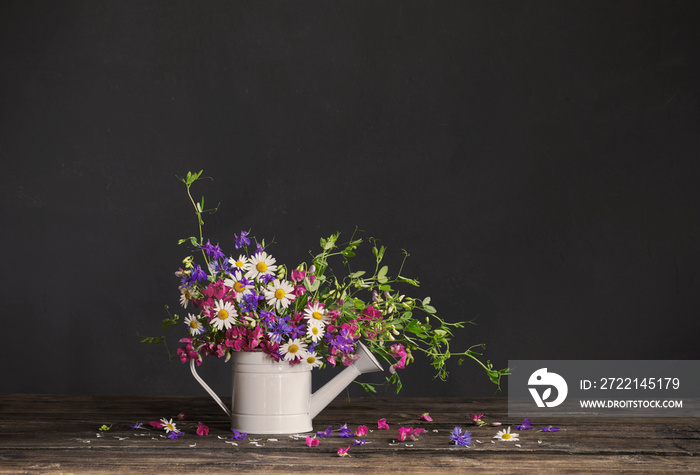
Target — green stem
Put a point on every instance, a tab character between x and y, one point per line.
199	223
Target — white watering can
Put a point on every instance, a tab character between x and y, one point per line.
271	397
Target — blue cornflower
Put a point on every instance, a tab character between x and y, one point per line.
298	331
175	435
359	442
222	265
138	425
459	437
241	240
211	250
279	329
325	433
238	435
266	278
527	424
267	317
550	429
249	302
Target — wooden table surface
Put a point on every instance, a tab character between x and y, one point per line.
59	434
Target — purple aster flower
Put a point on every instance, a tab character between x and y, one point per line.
359	442
238	435
527	424
242	240
175	435
550	429
345	432
325	433
138	425
266	278
211	250
459	437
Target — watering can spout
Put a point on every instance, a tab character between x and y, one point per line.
366	363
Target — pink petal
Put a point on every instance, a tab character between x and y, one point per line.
311	441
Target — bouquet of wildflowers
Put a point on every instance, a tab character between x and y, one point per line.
306	315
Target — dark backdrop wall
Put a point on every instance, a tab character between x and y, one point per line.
539	160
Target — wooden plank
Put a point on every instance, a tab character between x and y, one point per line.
59	433
221	461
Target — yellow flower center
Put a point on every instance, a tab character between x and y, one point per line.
314	330
239	264
223	314
293	348
238	287
506	436
317	315
170	426
311	360
279	294
261	267
193	324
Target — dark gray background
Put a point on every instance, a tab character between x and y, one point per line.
539	160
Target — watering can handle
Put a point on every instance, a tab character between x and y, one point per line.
208	389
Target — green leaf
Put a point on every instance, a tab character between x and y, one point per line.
378	253
367	387
429	309
192	240
414	326
192	177
381	275
413	282
357	274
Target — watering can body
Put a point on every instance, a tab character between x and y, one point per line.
270	397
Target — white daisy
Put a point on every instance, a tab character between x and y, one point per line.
315	329
315	312
224	315
260	264
185	296
293	349
194	325
168	425
506	435
312	359
239	286
279	293
240	263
